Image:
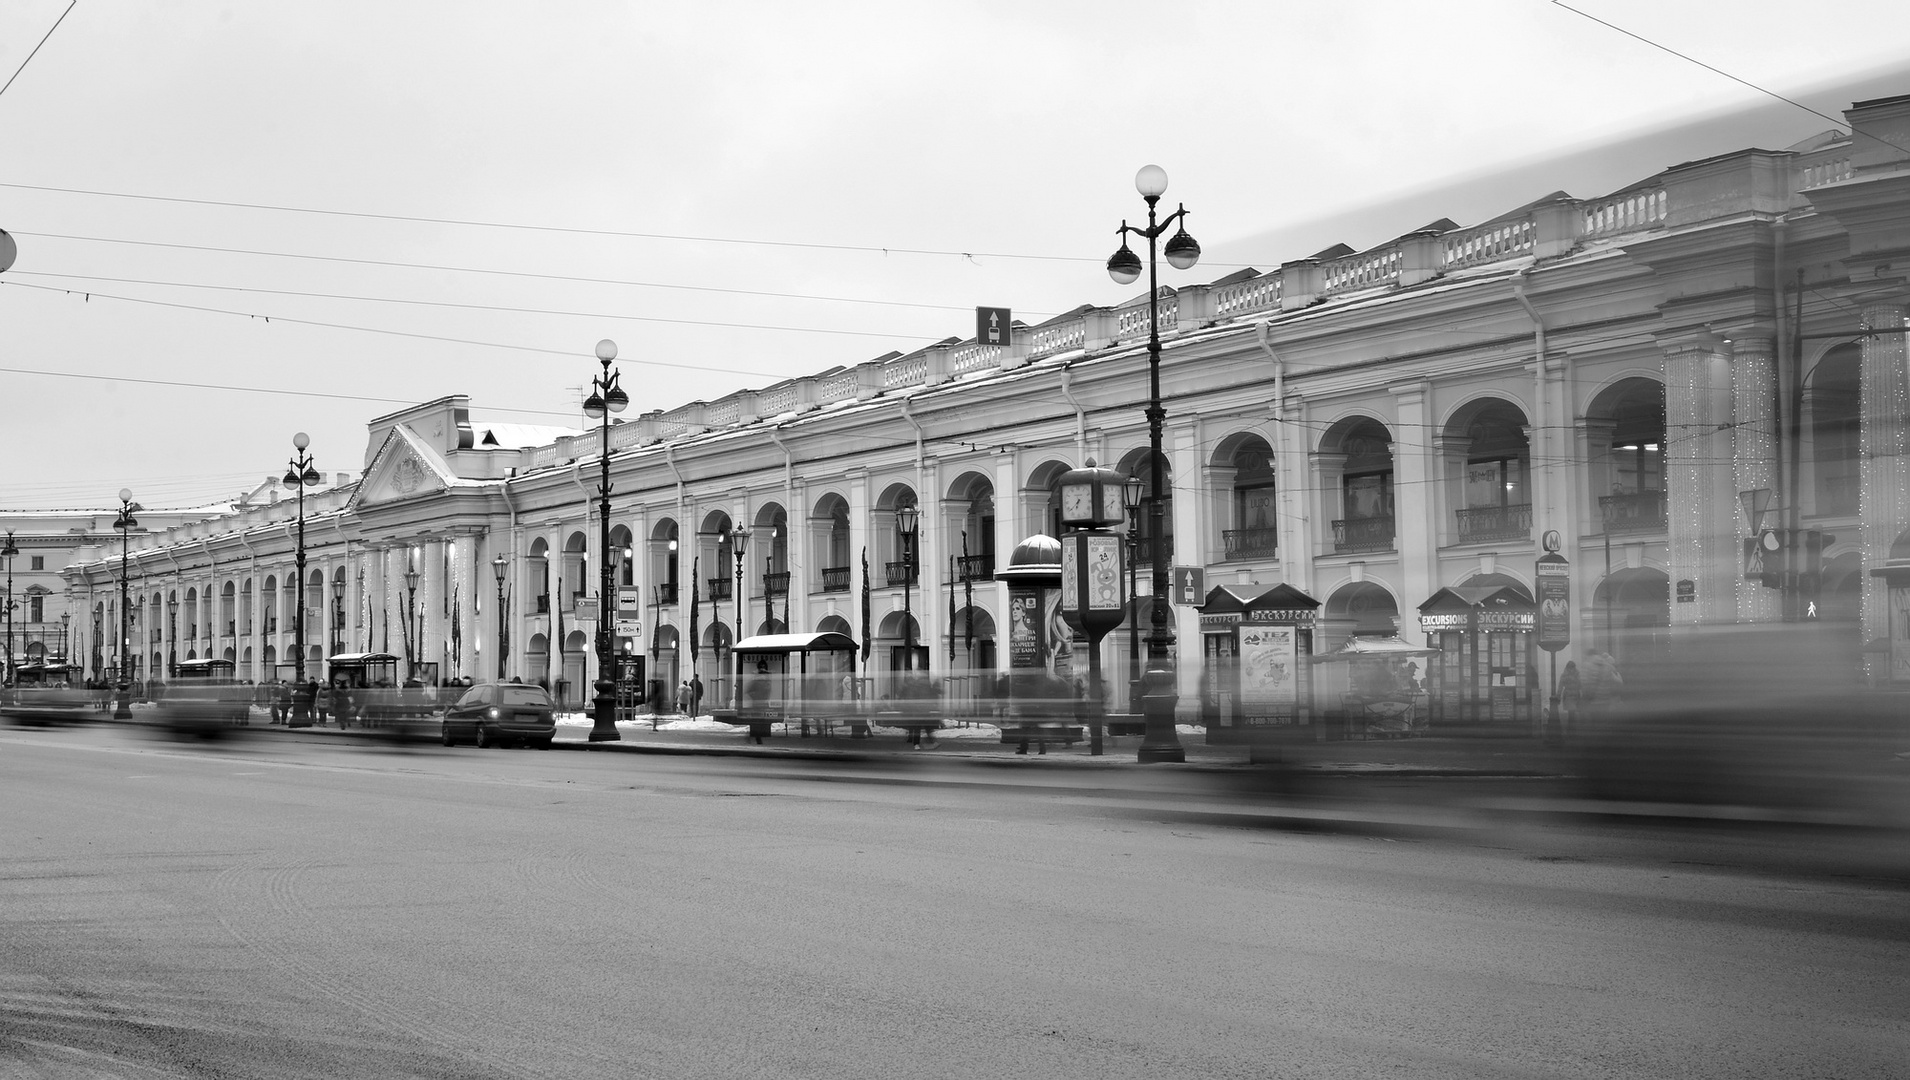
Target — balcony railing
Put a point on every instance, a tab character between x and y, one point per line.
719	588
976	567
835	578
1252	543
1635	512
543	604
1363	534
1481	523
903	573
666	593
776	583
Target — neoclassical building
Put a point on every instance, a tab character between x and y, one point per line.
1369	427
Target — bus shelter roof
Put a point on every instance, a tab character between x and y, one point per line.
827	641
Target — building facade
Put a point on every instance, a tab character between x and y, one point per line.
1373	428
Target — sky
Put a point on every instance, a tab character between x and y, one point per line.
237	221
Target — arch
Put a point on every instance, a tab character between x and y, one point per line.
834	624
1494	496
1245	496
623	542
1840	597
970	485
539	548
716	522
1040	501
1833	401
900	626
1625	429
1630	612
1355	468
772	626
829	538
1480	578
1357	434
1359	609
664	561
576	543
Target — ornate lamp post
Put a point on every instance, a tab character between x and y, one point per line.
739	543
412	646
1160	696
9	552
66	623
1132	490
606	397
300	473
500	566
338	616
125	523
907	520
172	638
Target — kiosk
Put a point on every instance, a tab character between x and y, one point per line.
1487	668
1256	678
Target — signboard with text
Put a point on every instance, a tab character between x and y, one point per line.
1553	577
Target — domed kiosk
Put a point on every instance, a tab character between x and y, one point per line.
1039	705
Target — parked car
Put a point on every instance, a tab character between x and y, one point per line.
491	714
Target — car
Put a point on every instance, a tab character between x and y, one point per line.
492	714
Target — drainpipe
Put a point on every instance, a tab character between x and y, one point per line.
1282	433
510	506
1080	414
789	497
1542	452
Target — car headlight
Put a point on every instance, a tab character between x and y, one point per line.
492	712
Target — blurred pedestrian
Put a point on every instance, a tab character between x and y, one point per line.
696	695
1570	701
1602	687
281	702
683	697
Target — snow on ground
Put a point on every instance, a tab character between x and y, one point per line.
949	730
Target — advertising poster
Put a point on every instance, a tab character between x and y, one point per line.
1269	673
1025	639
1900	635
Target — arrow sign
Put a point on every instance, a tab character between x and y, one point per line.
992	325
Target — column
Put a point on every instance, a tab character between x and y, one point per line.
1754	456
1299	542
1703	543
1883	504
1416	504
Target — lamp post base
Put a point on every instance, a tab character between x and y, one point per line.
604	710
123	702
1161	742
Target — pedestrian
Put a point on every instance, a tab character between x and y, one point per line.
281	702
304	700
1602	687
696	695
683	697
1570	701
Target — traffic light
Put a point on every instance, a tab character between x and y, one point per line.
1810	572
1764	558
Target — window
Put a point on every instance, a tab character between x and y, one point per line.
39	562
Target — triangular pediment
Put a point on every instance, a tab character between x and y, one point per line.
404	468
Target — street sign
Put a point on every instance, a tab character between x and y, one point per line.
1190	586
1553	575
629	627
992	326
629	599
1687	591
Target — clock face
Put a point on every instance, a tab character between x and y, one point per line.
1077	502
1111	508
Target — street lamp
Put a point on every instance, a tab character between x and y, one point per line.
66	622
907	520
606	397
739	542
172	638
1132	489
337	643
1160	743
8	552
300	474
500	566
411	627
125	523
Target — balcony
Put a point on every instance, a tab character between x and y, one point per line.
835	578
903	573
776	584
1637	512
1484	523
1363	534
719	588
666	593
1252	543
976	567
543	604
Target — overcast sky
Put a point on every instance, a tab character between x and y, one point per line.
221	208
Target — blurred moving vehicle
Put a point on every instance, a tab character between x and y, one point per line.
204	698
46	693
491	714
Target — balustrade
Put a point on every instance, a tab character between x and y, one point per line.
835	578
1261	543
1479	523
1363	534
719	588
776	583
903	573
976	567
1633	512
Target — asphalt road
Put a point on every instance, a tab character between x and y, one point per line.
306	907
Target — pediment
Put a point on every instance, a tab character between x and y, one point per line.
404	468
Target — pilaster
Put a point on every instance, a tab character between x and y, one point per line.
1883	506
1702	534
1754	452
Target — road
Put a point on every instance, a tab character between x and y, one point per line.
306	907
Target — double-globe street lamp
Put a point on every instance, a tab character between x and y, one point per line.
501	567
907	520
1159	695
1132	490
739	543
606	397
300	473
9	552
125	523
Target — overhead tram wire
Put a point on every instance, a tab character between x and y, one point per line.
393	264
867	249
